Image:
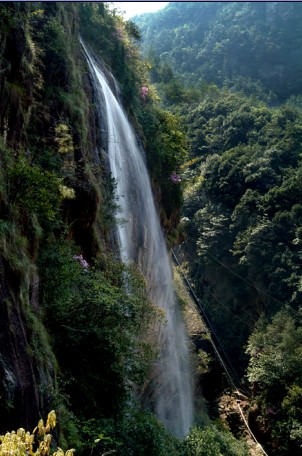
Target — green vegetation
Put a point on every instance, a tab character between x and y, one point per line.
242	204
275	371
246	46
138	435
211	441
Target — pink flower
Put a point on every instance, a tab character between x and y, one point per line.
271	411
81	260
144	92
175	178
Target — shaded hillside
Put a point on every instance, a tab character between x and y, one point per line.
247	46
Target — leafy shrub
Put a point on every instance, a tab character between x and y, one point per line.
137	433
212	442
34	191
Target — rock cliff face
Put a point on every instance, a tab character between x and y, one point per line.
17	80
18	387
29	114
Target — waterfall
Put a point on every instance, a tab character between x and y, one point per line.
141	240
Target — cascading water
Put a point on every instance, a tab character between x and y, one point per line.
141	241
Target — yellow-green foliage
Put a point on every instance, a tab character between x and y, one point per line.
67	192
22	443
64	139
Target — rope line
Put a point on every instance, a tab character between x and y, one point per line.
207	324
249	429
243	279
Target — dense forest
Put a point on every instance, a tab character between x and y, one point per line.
254	47
231	71
213	92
